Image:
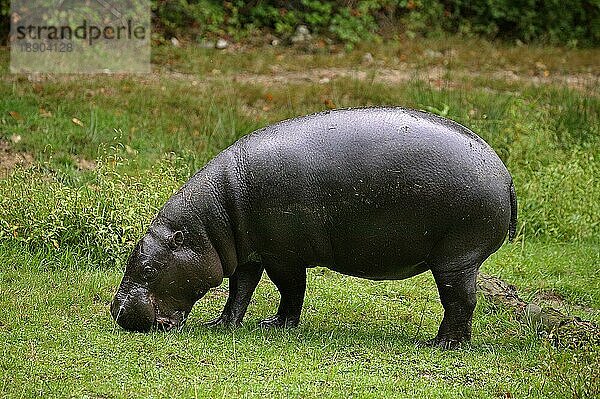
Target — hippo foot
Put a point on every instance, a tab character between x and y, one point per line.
278	321
222	321
444	343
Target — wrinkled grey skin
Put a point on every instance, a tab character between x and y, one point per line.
378	193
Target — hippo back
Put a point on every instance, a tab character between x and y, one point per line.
348	188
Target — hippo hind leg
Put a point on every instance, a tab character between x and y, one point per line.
458	294
291	283
241	287
455	263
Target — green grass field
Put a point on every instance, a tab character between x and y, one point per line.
101	154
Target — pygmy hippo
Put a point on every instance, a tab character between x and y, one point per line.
378	193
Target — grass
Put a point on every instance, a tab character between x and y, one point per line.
66	227
358	338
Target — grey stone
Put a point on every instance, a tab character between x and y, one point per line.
221	44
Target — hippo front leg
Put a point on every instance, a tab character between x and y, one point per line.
458	294
241	287
291	283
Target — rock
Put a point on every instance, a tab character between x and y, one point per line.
275	42
533	315
563	330
499	292
221	44
367	58
175	42
207	44
451	53
302	34
432	53
302	30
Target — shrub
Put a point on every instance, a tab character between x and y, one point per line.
576	22
101	218
553	21
350	21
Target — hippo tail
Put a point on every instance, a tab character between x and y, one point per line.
512	227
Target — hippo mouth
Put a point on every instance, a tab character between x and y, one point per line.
175	320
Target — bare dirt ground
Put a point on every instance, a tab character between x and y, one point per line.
436	75
9	159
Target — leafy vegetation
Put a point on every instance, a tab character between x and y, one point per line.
574	23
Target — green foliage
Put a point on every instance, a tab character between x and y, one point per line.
199	17
352	25
574	23
100	217
346	21
547	135
555	21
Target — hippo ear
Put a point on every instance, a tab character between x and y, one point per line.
176	240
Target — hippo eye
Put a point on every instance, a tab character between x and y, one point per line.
149	272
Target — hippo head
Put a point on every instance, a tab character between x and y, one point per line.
168	271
